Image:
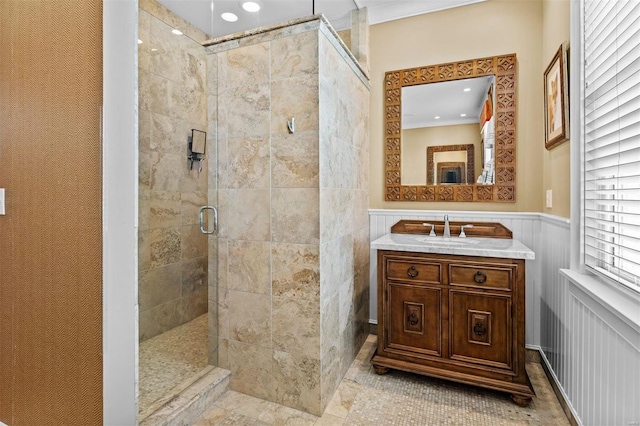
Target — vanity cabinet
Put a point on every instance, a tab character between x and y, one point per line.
453	317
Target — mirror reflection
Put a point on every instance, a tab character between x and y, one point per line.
198	141
448	132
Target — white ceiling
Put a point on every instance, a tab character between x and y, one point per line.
199	13
389	10
447	100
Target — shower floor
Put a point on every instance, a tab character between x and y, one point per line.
170	360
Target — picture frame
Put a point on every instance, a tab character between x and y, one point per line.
556	99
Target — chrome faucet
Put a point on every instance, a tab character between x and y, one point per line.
447	231
462	234
432	233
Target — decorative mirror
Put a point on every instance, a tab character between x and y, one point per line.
486	170
451	173
467	165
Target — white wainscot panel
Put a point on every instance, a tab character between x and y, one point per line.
593	355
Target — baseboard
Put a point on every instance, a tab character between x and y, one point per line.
532	354
557	389
373	327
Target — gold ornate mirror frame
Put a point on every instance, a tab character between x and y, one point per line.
504	189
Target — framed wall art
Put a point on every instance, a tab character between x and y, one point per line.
556	99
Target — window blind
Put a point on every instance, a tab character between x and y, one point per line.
612	139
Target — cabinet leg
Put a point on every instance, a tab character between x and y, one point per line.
522	401
380	370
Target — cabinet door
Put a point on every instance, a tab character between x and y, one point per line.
414	315
481	328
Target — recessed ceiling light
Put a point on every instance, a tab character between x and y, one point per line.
437	117
463	115
467	89
176	31
229	17
251	6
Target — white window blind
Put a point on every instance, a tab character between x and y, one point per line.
612	139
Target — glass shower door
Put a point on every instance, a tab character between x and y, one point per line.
209	224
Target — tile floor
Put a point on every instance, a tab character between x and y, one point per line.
397	398
170	359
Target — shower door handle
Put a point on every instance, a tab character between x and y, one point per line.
215	219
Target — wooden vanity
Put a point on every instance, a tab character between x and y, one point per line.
454	308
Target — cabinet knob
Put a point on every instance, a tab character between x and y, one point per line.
479	329
480	277
412	319
412	272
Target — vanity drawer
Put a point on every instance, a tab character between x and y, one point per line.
483	276
420	271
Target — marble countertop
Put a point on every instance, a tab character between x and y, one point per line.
485	247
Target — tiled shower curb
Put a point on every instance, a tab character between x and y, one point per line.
185	406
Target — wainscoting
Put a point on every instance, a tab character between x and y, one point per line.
593	355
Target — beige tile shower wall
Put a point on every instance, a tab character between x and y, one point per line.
268	299
267	302
172	251
344	222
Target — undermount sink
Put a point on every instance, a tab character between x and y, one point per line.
441	241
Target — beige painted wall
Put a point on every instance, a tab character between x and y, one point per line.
416	141
555	163
485	29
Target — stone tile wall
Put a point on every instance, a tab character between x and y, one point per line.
344	219
172	101
359	44
268	291
267	311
